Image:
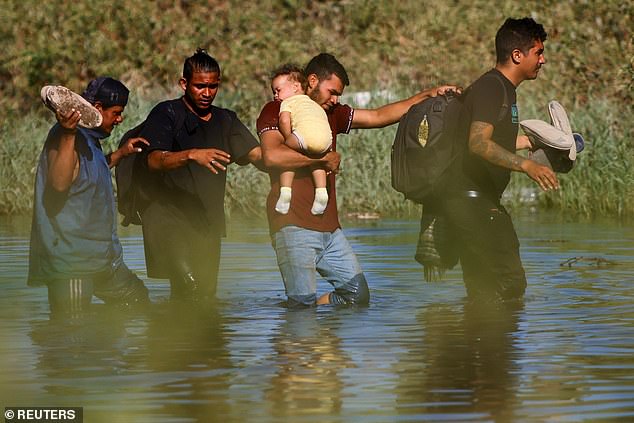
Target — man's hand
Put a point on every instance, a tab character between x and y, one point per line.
523	143
331	161
131	146
443	89
211	158
543	175
68	120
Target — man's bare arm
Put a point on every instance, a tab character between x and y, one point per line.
481	144
63	165
277	155
132	146
254	156
211	158
391	113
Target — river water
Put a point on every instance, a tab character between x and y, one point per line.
419	352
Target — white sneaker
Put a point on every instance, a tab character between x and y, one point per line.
56	97
559	119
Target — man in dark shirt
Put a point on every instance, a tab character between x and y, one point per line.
305	243
191	143
486	240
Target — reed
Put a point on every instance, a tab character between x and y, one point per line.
602	181
20	146
386	46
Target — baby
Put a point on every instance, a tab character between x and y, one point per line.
305	128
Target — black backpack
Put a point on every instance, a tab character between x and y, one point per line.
425	144
132	174
421	152
136	185
127	173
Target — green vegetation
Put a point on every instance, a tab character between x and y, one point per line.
398	47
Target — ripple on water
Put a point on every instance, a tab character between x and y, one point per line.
419	352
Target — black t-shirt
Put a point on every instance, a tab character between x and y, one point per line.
490	99
171	126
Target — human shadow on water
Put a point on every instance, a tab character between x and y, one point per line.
465	365
187	354
308	363
170	360
79	359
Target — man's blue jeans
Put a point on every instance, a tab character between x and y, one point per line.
303	252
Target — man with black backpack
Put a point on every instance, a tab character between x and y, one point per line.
191	143
485	238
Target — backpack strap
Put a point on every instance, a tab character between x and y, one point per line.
132	175
457	150
180	118
505	103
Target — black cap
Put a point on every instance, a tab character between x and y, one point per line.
107	91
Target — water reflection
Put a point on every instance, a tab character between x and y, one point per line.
419	352
188	346
308	362
83	361
71	350
465	363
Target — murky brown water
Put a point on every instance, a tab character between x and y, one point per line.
418	353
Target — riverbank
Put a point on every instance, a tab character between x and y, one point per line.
386	47
601	183
420	352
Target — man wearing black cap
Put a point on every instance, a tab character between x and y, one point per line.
75	249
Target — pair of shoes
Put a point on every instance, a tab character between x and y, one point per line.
56	97
554	145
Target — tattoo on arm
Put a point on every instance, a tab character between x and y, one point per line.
481	144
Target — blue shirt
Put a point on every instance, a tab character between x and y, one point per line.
74	234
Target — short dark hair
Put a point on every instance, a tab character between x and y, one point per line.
294	72
517	34
324	65
200	61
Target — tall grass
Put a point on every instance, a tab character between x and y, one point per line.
601	182
409	44
20	146
397	46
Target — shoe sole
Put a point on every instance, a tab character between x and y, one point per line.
559	119
58	98
547	134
